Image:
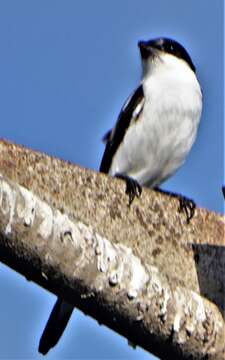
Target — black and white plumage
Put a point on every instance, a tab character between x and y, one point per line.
153	135
158	124
129	113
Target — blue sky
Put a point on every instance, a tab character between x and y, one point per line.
66	68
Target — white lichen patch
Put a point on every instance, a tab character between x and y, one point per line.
177	321
166	297
113	278
22	206
200	314
155	284
190	313
64	229
121	266
7	203
180	301
44	212
25	209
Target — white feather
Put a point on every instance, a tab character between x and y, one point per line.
157	144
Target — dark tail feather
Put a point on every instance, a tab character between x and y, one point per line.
55	326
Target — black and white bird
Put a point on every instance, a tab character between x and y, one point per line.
158	124
153	135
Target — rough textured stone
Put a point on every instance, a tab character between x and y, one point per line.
189	256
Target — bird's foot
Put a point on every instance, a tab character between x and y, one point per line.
187	206
133	188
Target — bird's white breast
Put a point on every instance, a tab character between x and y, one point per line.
156	145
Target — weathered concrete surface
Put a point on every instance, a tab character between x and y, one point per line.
157	234
148	226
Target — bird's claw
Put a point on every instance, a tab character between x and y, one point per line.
188	207
133	188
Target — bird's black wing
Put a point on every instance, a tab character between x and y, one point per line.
130	112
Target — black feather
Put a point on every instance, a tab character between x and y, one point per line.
55	326
107	136
115	137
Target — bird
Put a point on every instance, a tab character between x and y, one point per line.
151	139
158	124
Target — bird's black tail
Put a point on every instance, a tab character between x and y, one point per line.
55	326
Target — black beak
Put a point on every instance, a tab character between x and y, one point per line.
146	49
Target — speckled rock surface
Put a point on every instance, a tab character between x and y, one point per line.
188	256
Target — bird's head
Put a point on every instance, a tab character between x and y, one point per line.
164	51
